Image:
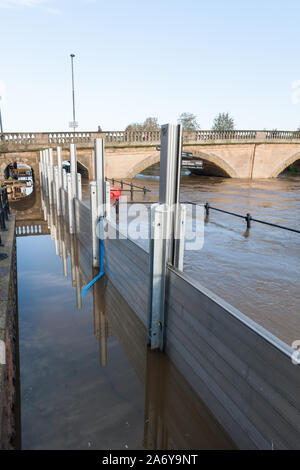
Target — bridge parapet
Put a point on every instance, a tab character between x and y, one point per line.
122	138
28	141
211	135
140	137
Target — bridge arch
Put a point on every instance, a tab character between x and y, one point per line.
83	169
212	158
143	165
285	164
217	162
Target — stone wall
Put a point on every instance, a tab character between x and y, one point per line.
9	372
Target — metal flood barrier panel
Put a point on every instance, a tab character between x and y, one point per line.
64	196
127	267
83	223
243	373
171	405
85	262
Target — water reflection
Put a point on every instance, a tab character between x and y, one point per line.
129	397
256	270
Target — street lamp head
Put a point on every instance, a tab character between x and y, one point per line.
72	55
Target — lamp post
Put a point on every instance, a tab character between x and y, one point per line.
73	124
1	125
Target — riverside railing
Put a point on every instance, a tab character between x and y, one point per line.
248	217
133	187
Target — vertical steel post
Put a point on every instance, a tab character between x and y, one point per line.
47	172
65	187
78	288
65	258
107	200
44	168
59	181
94	223
99	174
50	175
169	182
73	92
79	197
55	185
73	168
180	222
64	180
70	204
79	187
73	261
156	320
167	231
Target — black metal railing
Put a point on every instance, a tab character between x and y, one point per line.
247	217
133	187
4	210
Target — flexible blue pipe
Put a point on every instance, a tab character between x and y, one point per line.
84	291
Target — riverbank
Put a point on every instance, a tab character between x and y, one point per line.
9	362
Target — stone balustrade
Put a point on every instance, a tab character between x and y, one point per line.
18	141
132	137
114	138
37	140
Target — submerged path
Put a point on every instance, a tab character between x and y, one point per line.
70	401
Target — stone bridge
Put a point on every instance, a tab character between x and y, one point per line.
236	154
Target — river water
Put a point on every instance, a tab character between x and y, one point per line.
257	271
87	378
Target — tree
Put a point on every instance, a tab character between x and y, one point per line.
150	124
223	122
134	127
188	122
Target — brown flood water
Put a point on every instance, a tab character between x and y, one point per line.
258	271
88	380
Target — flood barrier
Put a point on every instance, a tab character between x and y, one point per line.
246	376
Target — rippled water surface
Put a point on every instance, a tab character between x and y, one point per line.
88	380
257	271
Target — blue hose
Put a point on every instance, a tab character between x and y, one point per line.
84	291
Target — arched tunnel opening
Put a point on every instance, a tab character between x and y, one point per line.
19	179
80	168
291	170
207	169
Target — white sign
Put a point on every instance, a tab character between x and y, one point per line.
73	124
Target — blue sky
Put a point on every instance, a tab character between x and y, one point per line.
138	58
